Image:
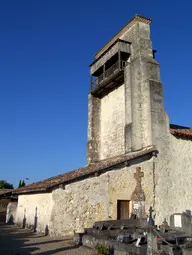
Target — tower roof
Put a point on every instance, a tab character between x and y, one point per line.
136	18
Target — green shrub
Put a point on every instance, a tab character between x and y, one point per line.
102	249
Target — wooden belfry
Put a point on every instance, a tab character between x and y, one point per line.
138	195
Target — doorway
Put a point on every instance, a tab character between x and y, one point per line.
123	209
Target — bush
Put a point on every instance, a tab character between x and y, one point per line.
101	249
5	185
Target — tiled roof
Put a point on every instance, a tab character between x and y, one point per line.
185	133
83	172
4	191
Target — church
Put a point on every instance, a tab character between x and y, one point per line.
135	157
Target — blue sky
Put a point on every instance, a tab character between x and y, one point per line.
45	50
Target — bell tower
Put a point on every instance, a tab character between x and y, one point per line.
125	105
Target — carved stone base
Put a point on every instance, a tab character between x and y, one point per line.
139	209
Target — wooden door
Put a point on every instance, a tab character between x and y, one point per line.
123	209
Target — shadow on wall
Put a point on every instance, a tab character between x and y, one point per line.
46	230
24	219
35	221
35	224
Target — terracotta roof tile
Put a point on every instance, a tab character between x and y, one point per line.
5	191
83	172
186	133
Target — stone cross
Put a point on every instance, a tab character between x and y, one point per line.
138	194
138	175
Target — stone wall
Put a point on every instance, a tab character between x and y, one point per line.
132	116
112	123
80	204
32	205
180	190
139	36
173	178
166	185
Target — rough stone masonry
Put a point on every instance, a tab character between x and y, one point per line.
128	129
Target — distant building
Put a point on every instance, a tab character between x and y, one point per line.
6	197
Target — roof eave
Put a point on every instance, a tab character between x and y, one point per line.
19	192
92	173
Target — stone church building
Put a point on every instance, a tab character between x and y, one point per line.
135	158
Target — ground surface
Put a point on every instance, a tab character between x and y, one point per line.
17	241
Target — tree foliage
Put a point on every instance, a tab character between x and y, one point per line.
23	184
19	186
5	185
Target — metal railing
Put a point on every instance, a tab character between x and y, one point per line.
118	66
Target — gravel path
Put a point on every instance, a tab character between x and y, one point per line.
16	241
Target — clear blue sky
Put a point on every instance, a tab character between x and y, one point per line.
45	49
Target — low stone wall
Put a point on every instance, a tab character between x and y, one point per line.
11	212
119	248
34	211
